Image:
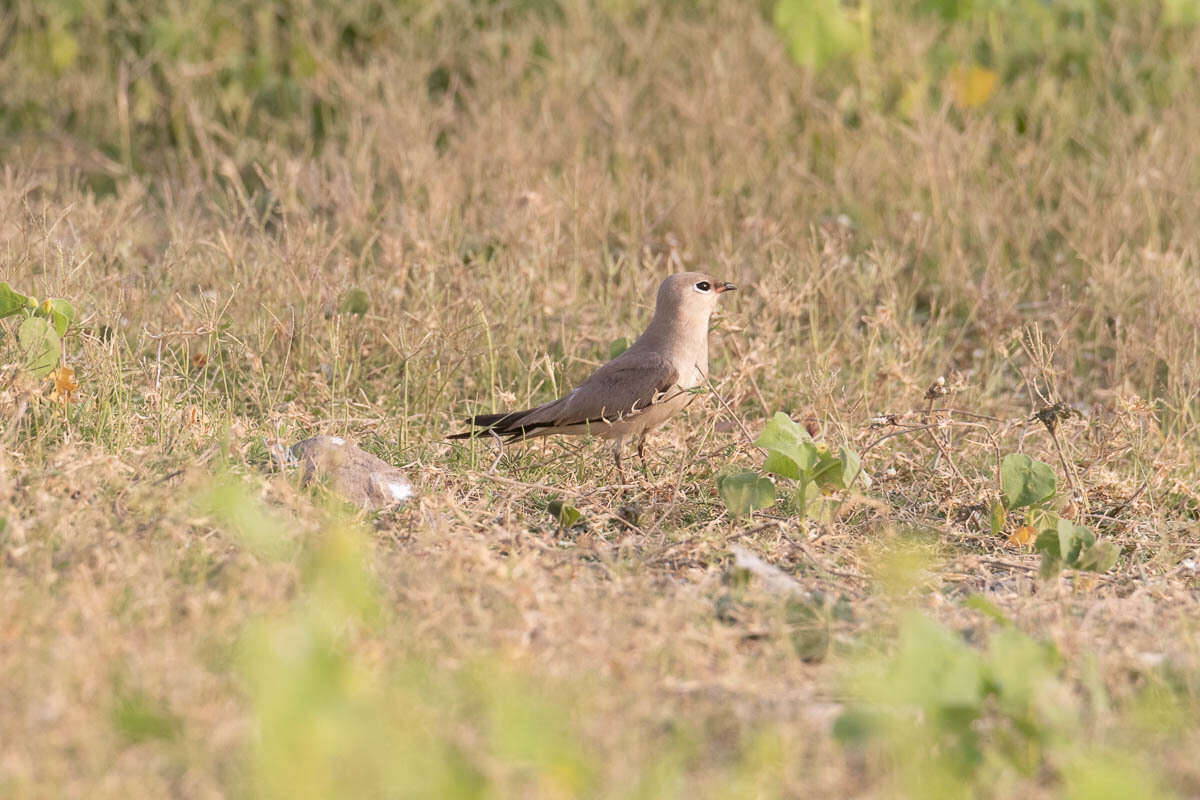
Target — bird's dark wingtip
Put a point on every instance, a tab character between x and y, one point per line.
487	424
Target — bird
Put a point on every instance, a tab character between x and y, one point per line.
638	390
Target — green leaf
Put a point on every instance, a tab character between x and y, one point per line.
856	726
1019	666
1072	540
806	497
779	464
1180	13
997	518
62	313
1025	482
617	347
1041	519
1066	539
63	50
851	467
809	630
40	343
746	491
988	608
782	430
935	668
58	311
566	514
249	523
1048	545
828	472
355	301
1048	542
785	442
1072	545
1099	557
139	718
818	32
837	471
11	302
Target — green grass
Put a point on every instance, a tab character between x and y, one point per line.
505	184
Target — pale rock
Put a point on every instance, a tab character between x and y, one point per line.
361	478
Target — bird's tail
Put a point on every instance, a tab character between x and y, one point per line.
488	424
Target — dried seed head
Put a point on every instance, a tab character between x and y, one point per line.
937	388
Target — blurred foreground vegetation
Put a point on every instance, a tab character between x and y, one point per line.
145	87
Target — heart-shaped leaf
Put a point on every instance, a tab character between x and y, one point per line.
11	302
777	463
40	343
744	492
1025	482
790	450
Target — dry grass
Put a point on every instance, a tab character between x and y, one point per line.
506	232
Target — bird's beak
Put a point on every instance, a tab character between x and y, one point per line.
725	287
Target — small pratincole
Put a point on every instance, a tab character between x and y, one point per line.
638	390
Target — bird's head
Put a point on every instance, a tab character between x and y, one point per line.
690	294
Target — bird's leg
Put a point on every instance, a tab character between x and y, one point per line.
641	451
499	449
617	458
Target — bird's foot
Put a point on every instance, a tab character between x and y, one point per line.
641	454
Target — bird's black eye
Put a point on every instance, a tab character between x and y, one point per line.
704	286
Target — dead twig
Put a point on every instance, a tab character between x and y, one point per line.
1116	512
565	491
1050	416
942	450
729	410
964	413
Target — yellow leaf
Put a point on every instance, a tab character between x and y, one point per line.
65	387
971	86
1022	536
64	48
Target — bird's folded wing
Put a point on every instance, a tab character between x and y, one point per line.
619	390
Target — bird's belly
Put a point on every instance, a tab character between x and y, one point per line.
661	412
